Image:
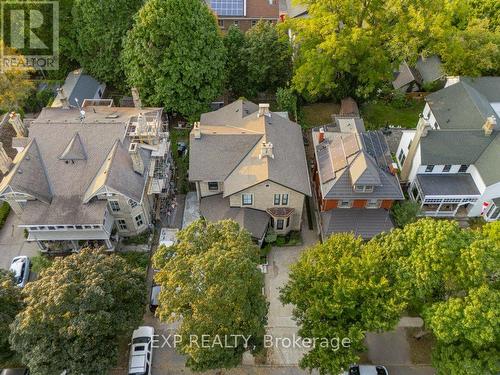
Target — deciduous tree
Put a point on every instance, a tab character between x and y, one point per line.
236	63
210	279
76	312
175	56
10	305
100	27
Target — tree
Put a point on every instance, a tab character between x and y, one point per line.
100	27
268	57
236	63
175	56
10	305
405	212
341	288
15	84
287	101
75	313
210	279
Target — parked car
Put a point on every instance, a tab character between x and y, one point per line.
141	351
366	370
20	266
15	371
155	294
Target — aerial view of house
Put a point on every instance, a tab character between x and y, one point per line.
243	13
249	164
450	162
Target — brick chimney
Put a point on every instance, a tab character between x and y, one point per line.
266	150
264	110
134	151
136	98
5	160
321	135
490	125
17	124
63	98
197	130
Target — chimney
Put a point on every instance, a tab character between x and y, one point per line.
136	98
266	150
17	124
321	135
142	124
489	125
264	110
197	130
63	98
423	127
135	154
5	161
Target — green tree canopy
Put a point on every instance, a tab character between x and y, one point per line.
100	27
341	288
75	313
175	56
210	278
236	63
268	58
10	305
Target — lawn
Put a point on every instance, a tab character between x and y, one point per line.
379	114
181	162
318	114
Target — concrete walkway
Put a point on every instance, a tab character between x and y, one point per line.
13	243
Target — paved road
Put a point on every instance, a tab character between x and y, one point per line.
13	243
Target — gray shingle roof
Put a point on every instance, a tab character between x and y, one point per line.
74	150
363	222
447	184
230	145
488	162
217	208
78	86
461	106
453	147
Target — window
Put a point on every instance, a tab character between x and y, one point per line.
344	204
409	143
463	168
363	188
236	22
213	186
122	225
288	221
52	228
254	22
447	168
277	199
246	199
429	168
132	203
139	221
401	157
284	199
221	23
373	203
78	227
115	206
279	224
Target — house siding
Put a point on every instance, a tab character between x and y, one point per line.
204	191
263	198
387	204
359	203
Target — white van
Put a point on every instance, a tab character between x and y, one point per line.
141	351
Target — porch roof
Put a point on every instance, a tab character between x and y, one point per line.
363	222
455	184
217	208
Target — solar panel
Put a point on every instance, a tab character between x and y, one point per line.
325	164
228	7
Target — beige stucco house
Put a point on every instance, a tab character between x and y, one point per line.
249	164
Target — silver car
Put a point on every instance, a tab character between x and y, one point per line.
20	267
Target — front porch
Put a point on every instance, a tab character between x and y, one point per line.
444	195
74	246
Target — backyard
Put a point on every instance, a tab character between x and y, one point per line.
318	114
378	114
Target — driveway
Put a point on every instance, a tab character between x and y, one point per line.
13	243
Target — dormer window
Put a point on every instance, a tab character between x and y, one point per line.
363	188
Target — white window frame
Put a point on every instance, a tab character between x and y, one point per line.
114	201
243	199
429	168
373	203
277	199
137	219
211	188
133	204
348	205
122	224
285	198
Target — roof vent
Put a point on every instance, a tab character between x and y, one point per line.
266	150
489	125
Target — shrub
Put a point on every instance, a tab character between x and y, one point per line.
4	213
40	262
405	212
136	259
140	239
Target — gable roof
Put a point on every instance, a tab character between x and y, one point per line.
487	163
74	150
346	159
78	86
230	145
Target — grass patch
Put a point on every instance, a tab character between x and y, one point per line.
136	259
318	114
378	114
4	213
420	349
181	162
291	239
